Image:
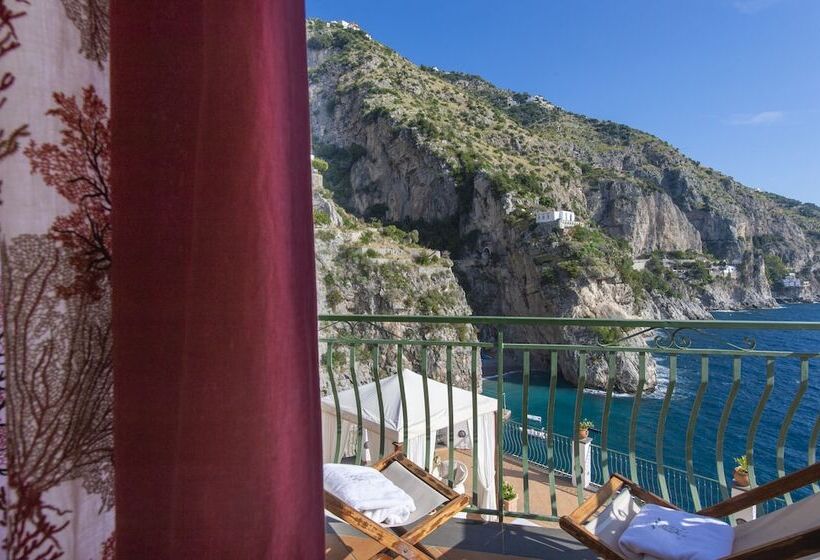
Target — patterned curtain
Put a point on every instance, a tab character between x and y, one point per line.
55	244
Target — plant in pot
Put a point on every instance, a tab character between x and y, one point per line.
584	427
509	496
741	474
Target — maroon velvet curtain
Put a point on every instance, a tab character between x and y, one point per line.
217	431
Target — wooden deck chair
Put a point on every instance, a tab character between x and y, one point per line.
790	532
435	503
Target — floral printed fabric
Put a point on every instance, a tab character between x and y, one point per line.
56	443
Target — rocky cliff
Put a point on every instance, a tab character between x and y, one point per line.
468	165
368	269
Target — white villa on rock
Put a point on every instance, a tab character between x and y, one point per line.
792	281
560	219
347	24
724	271
541	101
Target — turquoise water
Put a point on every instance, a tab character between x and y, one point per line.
753	377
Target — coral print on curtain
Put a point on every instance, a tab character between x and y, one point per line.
55	244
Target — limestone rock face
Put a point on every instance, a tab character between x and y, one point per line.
322	204
363	270
754	291
650	221
392	166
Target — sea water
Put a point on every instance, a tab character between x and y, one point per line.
753	378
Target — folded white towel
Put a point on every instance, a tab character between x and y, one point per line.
370	492
668	534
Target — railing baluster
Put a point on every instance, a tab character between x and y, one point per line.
451	427
750	437
813	450
499	435
610	384
426	390
659	435
551	432
400	372
721	433
633	421
474	383
525	436
329	359
359	424
787	420
375	357
690	430
576	444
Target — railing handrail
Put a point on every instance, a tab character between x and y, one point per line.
569	347
576	321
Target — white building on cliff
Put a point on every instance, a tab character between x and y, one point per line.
347	24
724	271
559	219
792	281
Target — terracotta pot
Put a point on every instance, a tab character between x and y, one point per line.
583	433
741	478
511	505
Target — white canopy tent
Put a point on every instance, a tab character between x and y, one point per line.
415	445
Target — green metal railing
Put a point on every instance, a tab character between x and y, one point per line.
644	457
677	482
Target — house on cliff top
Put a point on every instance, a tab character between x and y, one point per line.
557	219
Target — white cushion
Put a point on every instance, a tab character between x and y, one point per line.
614	519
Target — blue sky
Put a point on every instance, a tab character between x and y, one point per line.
735	84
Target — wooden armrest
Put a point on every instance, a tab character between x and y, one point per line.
427	478
594	502
773	489
615	483
573	523
645	495
385	461
439	518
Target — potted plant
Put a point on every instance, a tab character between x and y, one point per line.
509	496
741	474
584	427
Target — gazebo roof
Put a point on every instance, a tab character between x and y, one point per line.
414	393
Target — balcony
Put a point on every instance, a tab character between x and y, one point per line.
702	393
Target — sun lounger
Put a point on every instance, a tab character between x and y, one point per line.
435	504
790	532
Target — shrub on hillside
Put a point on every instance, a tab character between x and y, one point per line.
775	268
319	164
